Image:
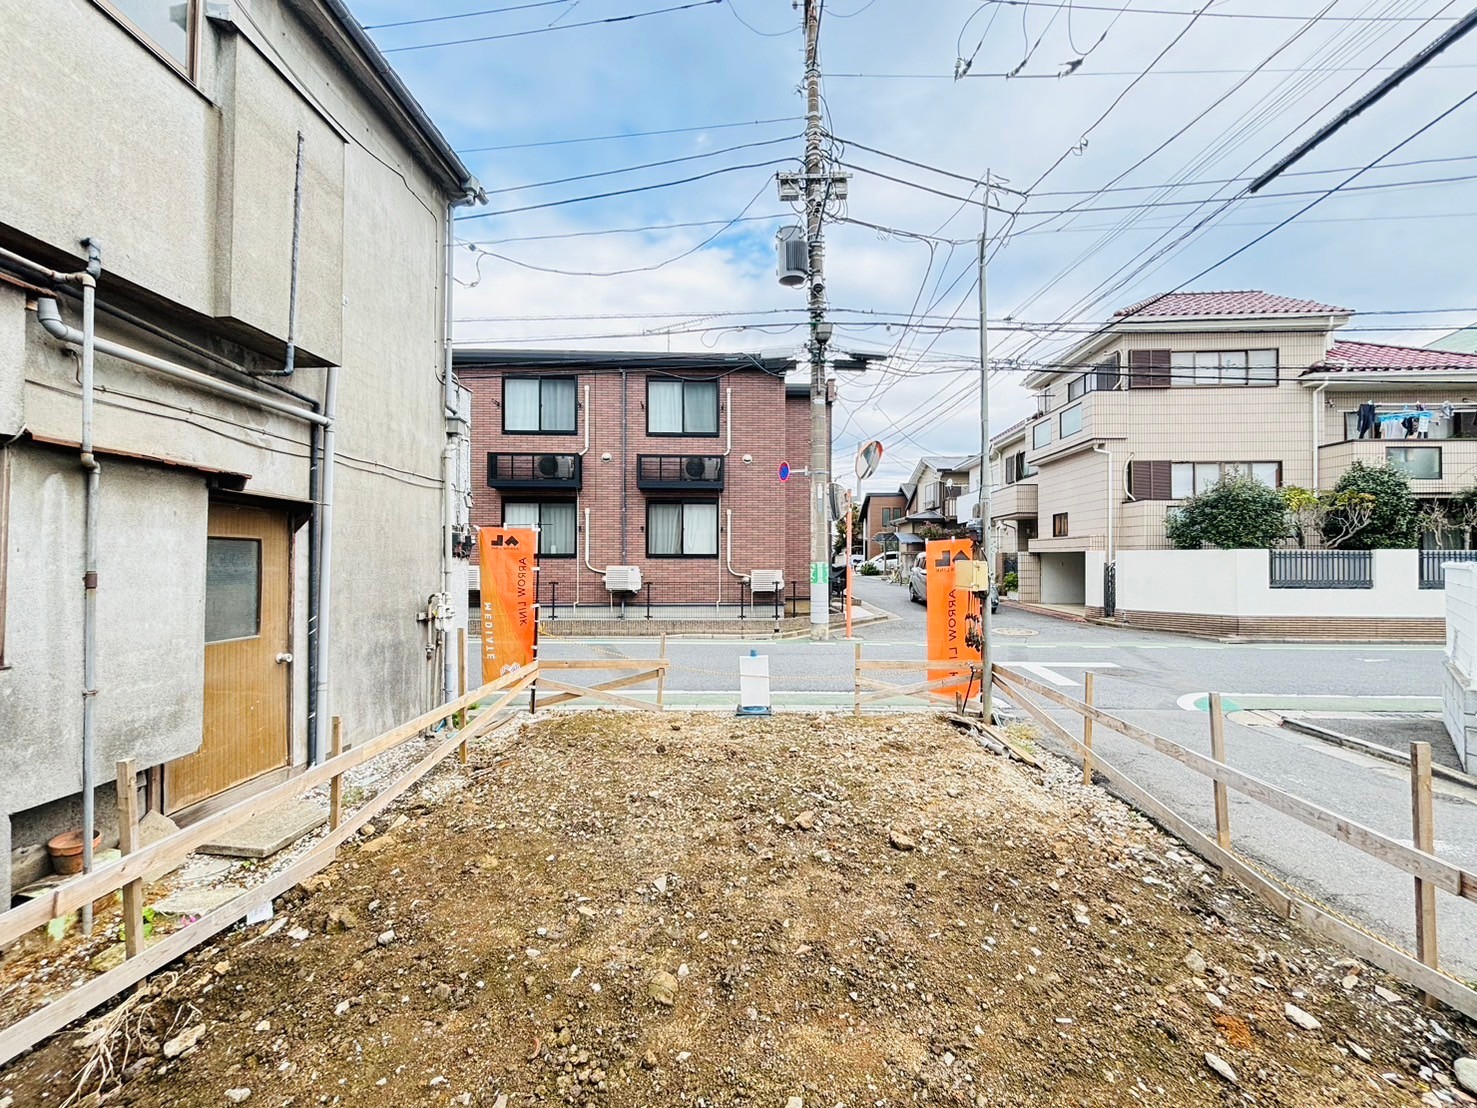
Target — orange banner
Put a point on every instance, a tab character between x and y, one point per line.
508	557
948	610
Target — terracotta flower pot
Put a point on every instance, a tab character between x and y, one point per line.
66	851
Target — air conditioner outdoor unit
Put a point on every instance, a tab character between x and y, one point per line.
767	580
623	578
553	466
696	467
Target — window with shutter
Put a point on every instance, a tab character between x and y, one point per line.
1149	369
1149	480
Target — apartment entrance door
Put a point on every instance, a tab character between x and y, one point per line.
248	607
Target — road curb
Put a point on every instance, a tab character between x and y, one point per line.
1374	750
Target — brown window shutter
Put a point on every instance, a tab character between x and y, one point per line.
1149	369
1149	480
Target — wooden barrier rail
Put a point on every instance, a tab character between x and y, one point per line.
1429	871
651	670
867	690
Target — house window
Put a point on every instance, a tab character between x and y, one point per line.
168	26
1102	377
890	516
1148	369
1059	525
682	529
1420	462
539	405
1071	420
1077	387
554	520
1224	367
233	589
676	407
1041	434
1180	480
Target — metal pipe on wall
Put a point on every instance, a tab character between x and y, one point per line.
625	497
322	704
92	498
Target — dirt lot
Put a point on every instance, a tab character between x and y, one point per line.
625	909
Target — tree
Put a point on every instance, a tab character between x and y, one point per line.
1236	513
1326	520
1391	524
858	540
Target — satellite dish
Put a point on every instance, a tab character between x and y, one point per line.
868	458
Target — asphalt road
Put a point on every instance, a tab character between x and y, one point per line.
1159	682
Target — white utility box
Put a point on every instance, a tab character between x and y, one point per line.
754	685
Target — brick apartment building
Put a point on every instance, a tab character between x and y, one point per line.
881	514
666	463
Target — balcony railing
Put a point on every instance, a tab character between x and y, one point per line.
534	471
691	472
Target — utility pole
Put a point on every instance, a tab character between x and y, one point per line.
820	332
987	684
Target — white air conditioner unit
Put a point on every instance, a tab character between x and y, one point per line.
555	466
623	578
699	467
767	580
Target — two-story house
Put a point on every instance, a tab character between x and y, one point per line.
932	494
225	443
1180	390
881	513
652	478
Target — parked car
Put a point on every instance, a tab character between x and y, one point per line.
857	560
918	584
883	563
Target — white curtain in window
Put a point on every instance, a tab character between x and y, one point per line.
699	529
702	408
520	404
557	405
520	515
1182	480
1263	365
1182	369
1233	367
1206	474
664	528
557	534
664	408
1265	472
1207	368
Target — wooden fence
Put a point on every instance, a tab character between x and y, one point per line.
936	690
1417	858
604	692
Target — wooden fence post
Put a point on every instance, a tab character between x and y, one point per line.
1087	731
133	892
1424	834
336	785
1218	752
661	678
856	683
461	686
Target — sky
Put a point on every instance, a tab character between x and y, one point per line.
1160	107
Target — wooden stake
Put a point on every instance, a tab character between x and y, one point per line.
1424	834
336	786
133	892
661	679
461	685
1087	732
1218	752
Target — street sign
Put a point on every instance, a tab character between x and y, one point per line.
784	471
867	459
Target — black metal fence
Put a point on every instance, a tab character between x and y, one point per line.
1321	569
1433	563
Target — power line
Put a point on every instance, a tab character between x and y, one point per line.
1210	14
643	165
461	15
627	134
625	192
628	230
547	30
1081	73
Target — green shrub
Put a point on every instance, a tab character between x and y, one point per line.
1391	522
1012	581
867	569
1236	513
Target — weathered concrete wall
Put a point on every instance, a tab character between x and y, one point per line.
150	618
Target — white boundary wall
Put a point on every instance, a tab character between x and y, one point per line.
1237	583
1459	678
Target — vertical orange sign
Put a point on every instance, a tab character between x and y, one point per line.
508	557
948	608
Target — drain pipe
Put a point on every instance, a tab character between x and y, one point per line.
1313	420
289	361
88	280
322	705
625	468
589	423
1098	448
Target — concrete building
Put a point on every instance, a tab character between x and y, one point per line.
214	537
1181	389
666	463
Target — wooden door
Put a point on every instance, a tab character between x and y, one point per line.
248	602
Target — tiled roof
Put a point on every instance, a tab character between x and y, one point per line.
1357	357
1248	302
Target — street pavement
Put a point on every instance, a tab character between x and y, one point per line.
1159	682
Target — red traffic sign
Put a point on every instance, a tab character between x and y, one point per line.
784	471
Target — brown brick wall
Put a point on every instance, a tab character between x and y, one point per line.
770	525
872	523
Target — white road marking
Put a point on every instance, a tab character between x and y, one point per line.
1047	672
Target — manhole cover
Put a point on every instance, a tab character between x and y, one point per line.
1015	632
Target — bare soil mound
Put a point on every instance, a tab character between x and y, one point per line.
631	909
